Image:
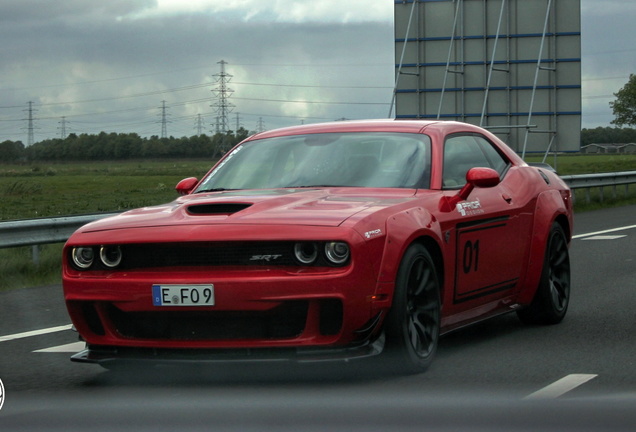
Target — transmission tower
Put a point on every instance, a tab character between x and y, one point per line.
62	128
260	126
30	127
222	93
238	123
164	121
198	124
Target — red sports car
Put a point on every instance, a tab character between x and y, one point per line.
327	241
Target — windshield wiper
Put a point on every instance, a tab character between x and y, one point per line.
314	186
214	190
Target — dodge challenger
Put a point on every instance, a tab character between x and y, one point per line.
323	242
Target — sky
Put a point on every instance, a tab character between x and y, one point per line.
92	65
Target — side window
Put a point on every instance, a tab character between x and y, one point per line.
463	152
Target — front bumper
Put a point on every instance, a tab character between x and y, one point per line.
256	306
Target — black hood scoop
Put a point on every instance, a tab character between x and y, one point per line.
217	209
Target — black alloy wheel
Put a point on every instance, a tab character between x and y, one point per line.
551	300
413	323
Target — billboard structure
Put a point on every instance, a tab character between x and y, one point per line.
511	66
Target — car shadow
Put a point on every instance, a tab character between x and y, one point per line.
289	373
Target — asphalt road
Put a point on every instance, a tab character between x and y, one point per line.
580	374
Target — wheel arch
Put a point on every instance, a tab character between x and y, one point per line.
414	225
549	209
562	220
435	251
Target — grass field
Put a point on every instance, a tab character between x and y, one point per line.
48	190
31	191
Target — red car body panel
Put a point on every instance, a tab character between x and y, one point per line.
489	249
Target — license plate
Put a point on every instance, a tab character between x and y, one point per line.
183	295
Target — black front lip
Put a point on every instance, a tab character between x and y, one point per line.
105	355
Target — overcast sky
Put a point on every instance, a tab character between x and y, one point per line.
93	65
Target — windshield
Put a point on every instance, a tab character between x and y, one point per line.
369	159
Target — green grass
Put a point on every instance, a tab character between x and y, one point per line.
59	189
567	164
32	191
49	190
18	270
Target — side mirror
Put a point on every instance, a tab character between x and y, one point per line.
475	177
185	186
479	177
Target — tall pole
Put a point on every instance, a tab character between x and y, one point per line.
63	128
222	94
30	139
164	128
199	124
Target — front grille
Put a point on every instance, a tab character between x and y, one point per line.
208	254
282	322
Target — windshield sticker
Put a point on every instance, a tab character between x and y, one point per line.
470	208
227	159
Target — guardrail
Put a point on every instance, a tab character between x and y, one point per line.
601	181
35	232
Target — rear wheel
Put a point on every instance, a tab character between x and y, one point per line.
412	325
551	300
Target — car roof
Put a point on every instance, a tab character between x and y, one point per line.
384	125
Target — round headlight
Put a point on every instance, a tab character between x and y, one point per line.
337	252
110	255
83	257
306	253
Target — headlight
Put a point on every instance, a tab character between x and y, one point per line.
306	253
83	257
110	255
337	252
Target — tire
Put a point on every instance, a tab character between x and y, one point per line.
413	323
551	300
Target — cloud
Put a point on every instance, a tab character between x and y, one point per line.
110	71
291	11
107	65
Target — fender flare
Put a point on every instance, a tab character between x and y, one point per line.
548	209
403	229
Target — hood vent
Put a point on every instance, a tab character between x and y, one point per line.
217	209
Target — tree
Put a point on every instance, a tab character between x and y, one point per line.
11	151
624	107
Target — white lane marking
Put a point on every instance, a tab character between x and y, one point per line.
604	237
34	333
561	386
604	231
68	348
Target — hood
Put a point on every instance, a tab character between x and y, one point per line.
315	207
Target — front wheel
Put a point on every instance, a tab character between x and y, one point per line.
412	325
551	300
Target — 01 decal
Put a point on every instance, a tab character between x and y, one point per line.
483	268
471	256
